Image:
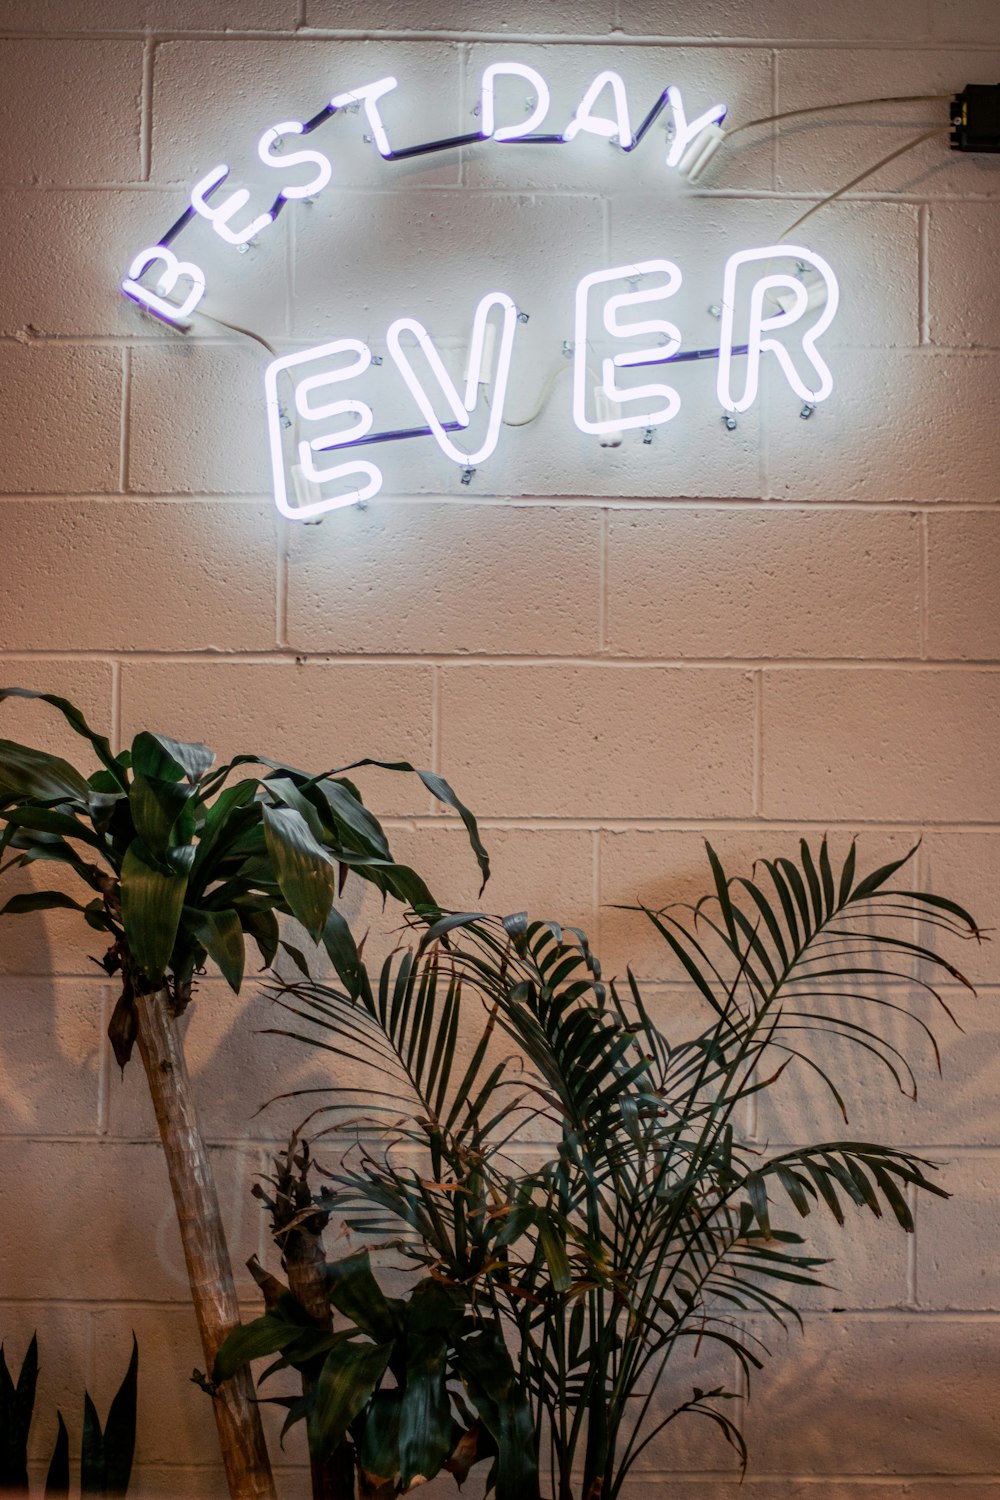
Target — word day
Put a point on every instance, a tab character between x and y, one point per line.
603	111
766	293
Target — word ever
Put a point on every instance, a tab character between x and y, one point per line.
774	301
603	111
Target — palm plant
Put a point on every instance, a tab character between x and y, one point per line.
182	867
632	1220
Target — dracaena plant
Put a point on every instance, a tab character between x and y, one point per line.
180	863
636	1222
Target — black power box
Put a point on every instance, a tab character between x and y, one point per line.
975	118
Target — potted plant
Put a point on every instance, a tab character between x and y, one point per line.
632	1221
179	864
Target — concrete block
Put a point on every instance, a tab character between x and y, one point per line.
564	17
547	872
869	245
91	124
86	683
956	1239
317	716
253	85
964	21
51	1054
62	406
116	1196
703	583
150	15
879	745
965	866
961	267
963	617
904	20
900	1395
740	78
184	592
71	248
900	425
351	584
611	763
819	154
438	252
182	444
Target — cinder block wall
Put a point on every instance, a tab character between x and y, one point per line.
745	636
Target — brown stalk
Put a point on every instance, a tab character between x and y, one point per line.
210	1273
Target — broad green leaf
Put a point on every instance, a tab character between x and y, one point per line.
152	902
303	868
31	774
350	1373
160	813
39	901
439	788
93	1469
338	940
50	820
16	1407
158	756
57	1479
356	1294
268	1334
378	1445
119	1430
221	935
351	818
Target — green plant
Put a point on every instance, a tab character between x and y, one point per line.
639	1222
105	1455
182	868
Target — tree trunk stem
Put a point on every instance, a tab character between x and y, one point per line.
237	1416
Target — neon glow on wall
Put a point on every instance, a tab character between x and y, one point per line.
314	469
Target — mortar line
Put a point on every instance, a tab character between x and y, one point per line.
124	422
116	705
924	587
436	724
281	590
602	582
146	110
595	887
911	1247
757	803
327	657
923	273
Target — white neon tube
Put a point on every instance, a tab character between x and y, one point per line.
584	119
173	270
802	301
618	329
488	101
219	215
685	132
266	145
460	410
369	94
357	469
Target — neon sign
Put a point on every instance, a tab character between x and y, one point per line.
314	459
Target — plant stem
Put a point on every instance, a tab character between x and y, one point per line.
210	1272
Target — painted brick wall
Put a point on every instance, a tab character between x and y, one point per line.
786	629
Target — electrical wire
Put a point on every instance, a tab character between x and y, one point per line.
820	109
235	328
862	176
